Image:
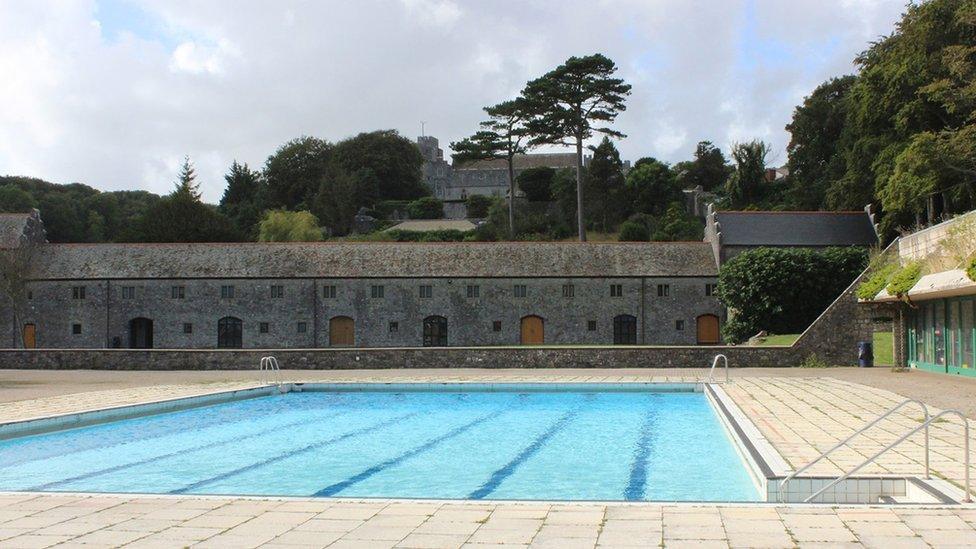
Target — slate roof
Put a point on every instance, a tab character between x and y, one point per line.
375	259
523	162
12	228
796	229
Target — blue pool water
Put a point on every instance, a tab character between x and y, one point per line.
588	445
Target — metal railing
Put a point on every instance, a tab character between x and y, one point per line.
925	425
269	364
794	474
711	371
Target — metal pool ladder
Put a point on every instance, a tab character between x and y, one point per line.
269	364
925	425
711	372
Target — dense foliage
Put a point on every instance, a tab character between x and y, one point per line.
783	290
427	207
904	279
286	226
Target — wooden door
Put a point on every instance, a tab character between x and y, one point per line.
533	331
708	330
342	332
30	336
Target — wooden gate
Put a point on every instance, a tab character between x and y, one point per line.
30	336
342	332
533	330
708	330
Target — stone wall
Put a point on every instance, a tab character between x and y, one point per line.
108	307
412	357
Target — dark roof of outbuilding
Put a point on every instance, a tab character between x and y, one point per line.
796	229
12	229
379	259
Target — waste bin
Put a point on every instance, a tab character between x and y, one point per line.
865	354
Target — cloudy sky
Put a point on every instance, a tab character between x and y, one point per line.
113	93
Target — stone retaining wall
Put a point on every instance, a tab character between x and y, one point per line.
412	357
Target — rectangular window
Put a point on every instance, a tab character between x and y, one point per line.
78	292
591	325
679	325
76	329
264	327
329	292
394	327
128	292
616	290
711	289
496	326
426	291
187	328
30	295
474	291
302	327
177	292
520	290
569	290
227	292
376	292
277	291
663	290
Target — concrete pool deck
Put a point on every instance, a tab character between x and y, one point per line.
800	411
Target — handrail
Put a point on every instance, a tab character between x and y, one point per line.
711	372
901	439
270	364
794	474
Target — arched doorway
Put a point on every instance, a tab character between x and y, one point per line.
435	331
30	336
533	330
342	332
624	330
708	333
141	333
230	333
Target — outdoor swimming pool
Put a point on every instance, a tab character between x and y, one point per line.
586	444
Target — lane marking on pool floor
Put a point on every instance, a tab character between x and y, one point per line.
638	470
146	428
500	475
296	452
365	474
192	449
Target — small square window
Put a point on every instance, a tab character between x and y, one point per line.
76	329
711	289
474	291
277	291
426	291
78	292
264	327
376	292
302	327
569	290
663	290
177	292
227	291
187	328
329	292
616	290
496	326
520	290
128	292
679	325
394	327
591	325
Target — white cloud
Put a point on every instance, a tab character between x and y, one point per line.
220	81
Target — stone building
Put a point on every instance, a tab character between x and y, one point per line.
314	295
733	232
